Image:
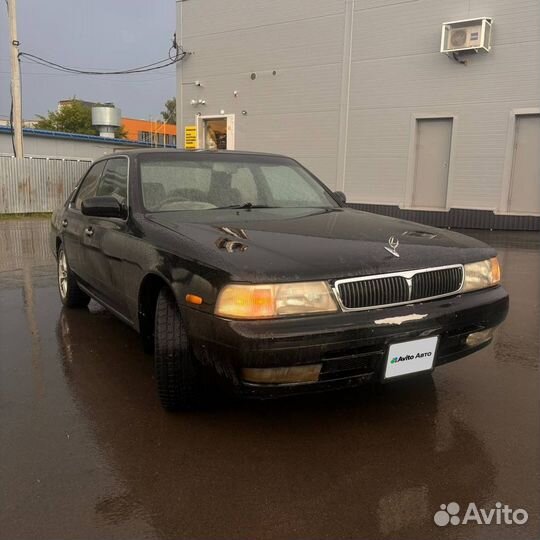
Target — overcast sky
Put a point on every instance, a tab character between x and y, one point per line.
91	34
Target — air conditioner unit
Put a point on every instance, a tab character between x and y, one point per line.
467	35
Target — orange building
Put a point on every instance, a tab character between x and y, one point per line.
149	132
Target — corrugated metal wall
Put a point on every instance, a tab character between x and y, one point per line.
37	185
457	218
50	144
339	85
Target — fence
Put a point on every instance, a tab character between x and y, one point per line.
37	184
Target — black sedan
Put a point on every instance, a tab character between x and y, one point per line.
246	265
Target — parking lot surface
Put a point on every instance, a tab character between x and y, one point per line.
86	451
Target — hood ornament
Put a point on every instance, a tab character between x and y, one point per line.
393	244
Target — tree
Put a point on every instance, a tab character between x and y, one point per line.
120	133
73	117
169	114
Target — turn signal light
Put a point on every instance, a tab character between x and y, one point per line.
482	274
194	299
495	270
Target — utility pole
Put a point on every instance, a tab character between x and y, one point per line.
15	78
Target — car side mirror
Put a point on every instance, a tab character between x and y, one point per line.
341	197
103	207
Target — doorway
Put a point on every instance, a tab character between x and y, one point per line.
524	196
433	145
216	132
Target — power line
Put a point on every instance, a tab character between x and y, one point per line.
176	54
66	69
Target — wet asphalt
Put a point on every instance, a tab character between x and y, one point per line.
86	452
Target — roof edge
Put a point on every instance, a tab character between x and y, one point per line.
32	132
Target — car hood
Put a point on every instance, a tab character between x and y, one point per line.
260	245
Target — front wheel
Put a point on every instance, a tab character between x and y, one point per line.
177	370
70	293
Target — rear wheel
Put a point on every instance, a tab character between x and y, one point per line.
70	293
177	370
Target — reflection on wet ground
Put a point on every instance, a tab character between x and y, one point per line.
86	451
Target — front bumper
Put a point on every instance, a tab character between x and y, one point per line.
350	346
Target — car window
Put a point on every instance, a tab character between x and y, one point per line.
244	185
183	182
165	183
288	186
89	183
113	181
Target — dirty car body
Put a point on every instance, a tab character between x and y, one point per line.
279	286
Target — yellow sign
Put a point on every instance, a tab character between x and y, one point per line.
190	138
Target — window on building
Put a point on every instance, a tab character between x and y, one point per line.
144	136
170	139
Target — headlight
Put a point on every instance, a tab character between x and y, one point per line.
277	300
481	274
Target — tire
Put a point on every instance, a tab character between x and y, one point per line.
176	368
70	293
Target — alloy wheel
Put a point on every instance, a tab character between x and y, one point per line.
62	274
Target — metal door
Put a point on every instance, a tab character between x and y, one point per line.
433	142
104	239
216	132
74	223
524	194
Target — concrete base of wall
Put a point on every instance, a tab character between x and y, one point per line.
457	218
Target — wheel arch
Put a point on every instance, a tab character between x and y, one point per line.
149	289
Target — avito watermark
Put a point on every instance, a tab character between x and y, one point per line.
501	514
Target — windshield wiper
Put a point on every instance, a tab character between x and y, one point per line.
246	206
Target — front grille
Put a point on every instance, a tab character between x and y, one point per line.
362	293
374	292
436	282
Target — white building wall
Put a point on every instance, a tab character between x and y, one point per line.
397	73
293	112
352	76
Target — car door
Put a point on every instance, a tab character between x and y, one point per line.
74	222
104	239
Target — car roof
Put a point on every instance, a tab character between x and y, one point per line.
137	152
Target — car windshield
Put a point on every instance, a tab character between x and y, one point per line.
179	181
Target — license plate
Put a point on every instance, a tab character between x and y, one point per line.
410	357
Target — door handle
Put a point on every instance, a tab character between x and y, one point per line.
89	231
64	223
